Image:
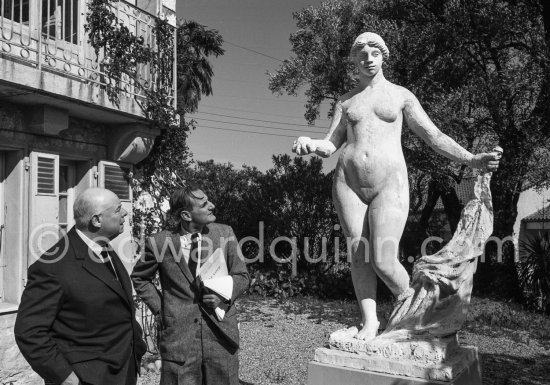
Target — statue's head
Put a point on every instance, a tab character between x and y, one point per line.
371	39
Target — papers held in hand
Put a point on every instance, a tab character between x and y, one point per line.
215	278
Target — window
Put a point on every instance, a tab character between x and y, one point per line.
16	10
54	184
117	179
60	19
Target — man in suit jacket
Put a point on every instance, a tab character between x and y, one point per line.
196	348
76	322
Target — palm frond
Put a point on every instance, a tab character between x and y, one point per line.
533	270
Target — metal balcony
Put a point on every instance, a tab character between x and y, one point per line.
45	57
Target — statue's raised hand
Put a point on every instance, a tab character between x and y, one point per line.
304	145
487	161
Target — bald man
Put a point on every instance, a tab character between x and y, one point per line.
76	322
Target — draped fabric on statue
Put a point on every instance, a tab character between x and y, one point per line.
436	303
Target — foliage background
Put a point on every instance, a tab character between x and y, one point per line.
480	69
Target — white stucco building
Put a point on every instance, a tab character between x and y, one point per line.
59	135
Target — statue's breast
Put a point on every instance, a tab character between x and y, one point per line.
382	109
355	115
385	111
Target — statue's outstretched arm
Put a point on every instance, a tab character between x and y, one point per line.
335	137
418	121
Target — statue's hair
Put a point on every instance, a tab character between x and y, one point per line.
371	39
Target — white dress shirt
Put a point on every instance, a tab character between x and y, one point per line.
97	249
185	240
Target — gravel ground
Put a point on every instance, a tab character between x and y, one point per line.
278	339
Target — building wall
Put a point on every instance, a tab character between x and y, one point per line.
530	201
81	146
46	82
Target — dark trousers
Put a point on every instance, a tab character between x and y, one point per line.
212	361
126	376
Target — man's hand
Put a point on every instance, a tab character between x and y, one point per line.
304	145
211	300
71	380
487	161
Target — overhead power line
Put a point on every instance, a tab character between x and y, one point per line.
248	111
252	50
274	99
239	80
248	132
254	125
258	120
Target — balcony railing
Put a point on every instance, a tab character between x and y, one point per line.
49	35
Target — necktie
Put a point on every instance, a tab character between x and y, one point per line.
108	262
194	254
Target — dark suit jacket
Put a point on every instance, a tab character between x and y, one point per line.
75	316
178	304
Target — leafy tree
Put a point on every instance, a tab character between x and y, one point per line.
230	190
167	166
196	45
321	47
295	202
292	200
480	69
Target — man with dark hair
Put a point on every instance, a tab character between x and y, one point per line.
76	323
195	345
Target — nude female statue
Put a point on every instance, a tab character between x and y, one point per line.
370	188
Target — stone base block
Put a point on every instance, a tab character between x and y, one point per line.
423	350
323	374
461	369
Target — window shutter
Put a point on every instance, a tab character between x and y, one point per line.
43	203
45	175
116	178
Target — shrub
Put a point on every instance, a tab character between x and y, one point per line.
333	283
533	270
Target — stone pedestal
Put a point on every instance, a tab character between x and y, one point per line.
332	367
424	351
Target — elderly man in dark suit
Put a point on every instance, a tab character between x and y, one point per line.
76	322
196	347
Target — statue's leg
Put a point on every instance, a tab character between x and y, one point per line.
387	216
352	213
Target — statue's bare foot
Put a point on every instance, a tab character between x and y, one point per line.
368	331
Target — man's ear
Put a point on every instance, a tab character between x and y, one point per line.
95	221
185	216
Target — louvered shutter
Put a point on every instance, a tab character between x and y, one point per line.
115	177
43	203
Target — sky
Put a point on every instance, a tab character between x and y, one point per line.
243	122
